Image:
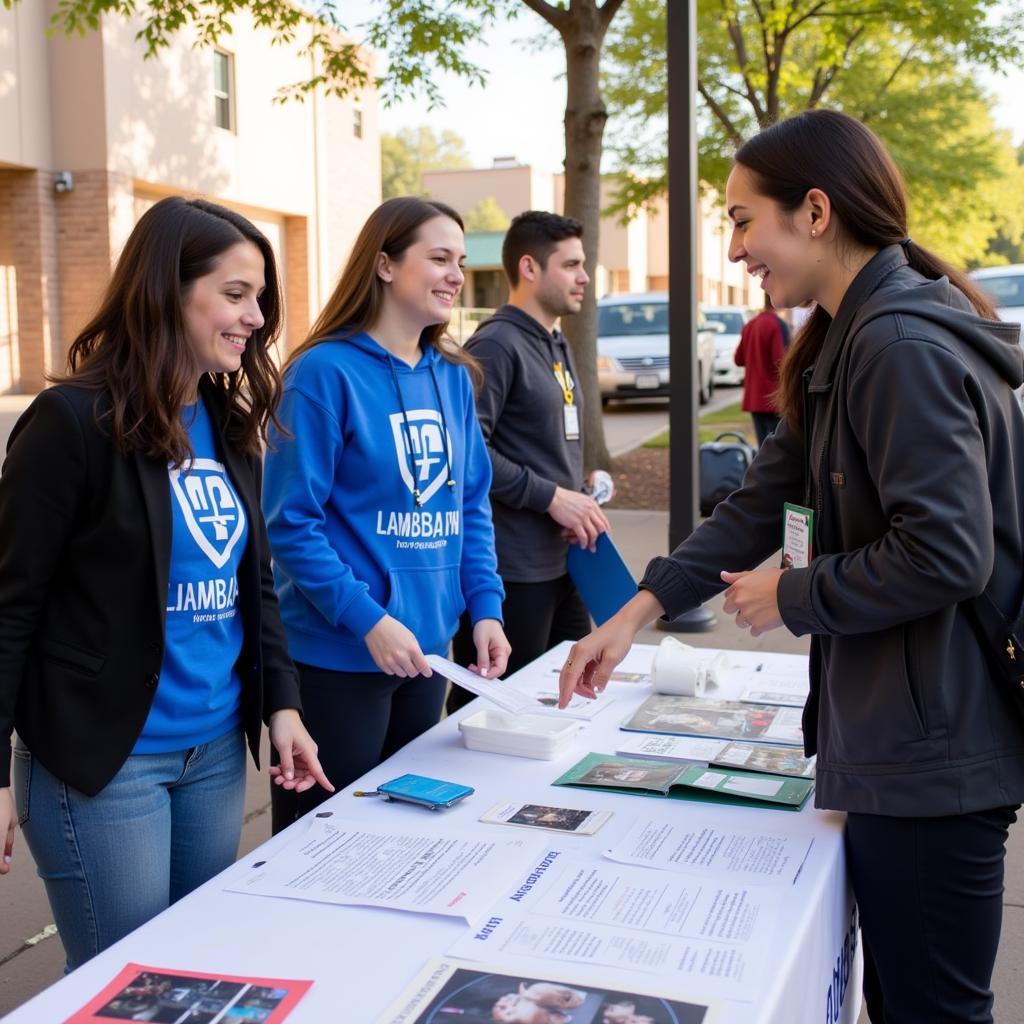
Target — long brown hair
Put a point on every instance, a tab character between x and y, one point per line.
835	153
358	297
136	347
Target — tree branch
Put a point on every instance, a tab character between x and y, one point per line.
608	10
556	17
735	31
719	111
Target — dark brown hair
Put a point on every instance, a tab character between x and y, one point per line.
136	347
535	233
358	297
835	153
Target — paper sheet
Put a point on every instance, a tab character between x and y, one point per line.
715	849
427	871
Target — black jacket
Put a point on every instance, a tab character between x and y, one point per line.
915	468
85	546
520	409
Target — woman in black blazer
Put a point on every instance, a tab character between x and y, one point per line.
140	641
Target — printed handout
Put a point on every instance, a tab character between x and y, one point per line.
427	871
164	994
707	929
448	991
711	848
717	719
567	820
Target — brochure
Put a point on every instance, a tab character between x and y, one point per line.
449	991
165	994
757	757
601	577
717	719
566	820
686	782
786	698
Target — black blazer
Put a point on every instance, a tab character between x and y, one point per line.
85	547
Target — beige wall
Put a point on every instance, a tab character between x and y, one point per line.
514	188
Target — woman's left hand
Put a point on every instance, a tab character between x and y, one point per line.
299	769
753	598
492	649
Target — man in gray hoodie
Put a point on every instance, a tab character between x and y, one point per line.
530	411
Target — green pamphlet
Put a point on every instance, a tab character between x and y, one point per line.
687	782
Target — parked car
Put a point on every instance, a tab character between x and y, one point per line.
732	319
1005	286
632	347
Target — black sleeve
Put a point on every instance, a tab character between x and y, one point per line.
41	491
280	677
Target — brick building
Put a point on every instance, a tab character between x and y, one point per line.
91	135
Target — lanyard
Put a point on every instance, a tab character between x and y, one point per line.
565	382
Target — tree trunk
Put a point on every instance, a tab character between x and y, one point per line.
585	118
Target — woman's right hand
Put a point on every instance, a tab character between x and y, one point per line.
8	823
395	650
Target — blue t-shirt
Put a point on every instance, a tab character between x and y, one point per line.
199	694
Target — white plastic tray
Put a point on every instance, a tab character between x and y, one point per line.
499	732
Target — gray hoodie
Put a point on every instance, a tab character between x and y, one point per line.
915	469
520	413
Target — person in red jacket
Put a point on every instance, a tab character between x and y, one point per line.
762	345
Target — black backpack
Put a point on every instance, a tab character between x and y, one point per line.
722	465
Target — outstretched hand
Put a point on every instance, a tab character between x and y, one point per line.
299	767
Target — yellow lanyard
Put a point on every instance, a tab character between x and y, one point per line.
564	382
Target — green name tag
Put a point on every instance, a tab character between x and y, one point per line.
797	536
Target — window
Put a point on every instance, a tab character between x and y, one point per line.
357	123
632	318
223	88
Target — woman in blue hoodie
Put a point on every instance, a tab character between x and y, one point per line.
377	498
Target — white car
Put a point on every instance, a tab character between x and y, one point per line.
1005	286
632	348
732	319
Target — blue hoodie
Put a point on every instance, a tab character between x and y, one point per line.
378	502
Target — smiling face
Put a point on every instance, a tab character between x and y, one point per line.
424	282
222	310
559	286
777	247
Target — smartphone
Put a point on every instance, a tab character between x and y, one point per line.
418	789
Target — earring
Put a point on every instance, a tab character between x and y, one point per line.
814	232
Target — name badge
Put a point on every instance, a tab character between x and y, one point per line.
571	421
797	536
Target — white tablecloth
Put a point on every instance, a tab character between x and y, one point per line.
361	958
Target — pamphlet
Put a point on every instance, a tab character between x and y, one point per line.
449	991
757	757
718	719
400	866
566	820
602	578
165	994
686	782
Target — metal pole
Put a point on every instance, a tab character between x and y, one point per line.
682	260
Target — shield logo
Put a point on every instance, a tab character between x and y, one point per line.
421	448
212	512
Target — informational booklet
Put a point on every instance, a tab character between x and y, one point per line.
514	700
426	870
567	820
686	782
716	846
446	990
757	757
166	994
717	719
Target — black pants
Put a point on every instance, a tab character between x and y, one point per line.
537	616
764	424
930	897
358	719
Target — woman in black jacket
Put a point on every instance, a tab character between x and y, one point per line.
140	642
902	444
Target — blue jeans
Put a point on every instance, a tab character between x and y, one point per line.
162	826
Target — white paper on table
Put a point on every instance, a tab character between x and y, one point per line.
715	848
699	968
629	898
692	749
427	871
541	701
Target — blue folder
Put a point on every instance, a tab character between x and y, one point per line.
601	577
